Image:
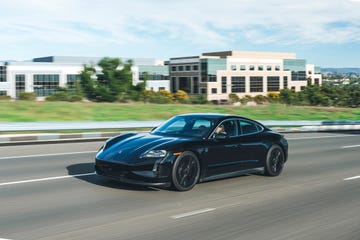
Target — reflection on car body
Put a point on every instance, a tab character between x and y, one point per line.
192	148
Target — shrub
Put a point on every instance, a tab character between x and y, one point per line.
148	95
233	98
166	93
273	97
260	99
245	99
198	99
64	96
181	96
27	96
160	98
5	97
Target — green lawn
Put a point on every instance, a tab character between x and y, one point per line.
22	111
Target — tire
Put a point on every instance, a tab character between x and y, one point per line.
275	160
185	172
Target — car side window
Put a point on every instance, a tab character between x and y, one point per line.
202	126
177	125
249	127
228	128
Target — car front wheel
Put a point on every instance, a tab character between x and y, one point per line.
186	171
274	161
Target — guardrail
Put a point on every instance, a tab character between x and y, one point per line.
51	126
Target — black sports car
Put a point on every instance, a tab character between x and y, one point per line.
192	148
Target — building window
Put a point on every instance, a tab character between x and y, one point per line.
223	85
3	74
293	88
238	84
260	67
173	68
302	88
185	84
188	68
268	68
161	88
233	67
3	93
309	72
203	90
214	90
181	68
195	85
316	81
173	84
251	67
211	78
19	84
195	67
298	76
285	82
256	84
71	80
273	84
242	67
46	84
277	68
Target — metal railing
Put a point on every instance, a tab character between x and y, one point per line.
52	126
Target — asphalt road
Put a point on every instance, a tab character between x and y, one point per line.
50	192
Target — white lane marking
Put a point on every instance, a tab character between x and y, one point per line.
351	178
4	239
188	214
46	155
304	138
351	146
47	179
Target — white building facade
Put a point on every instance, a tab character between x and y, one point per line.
218	74
44	76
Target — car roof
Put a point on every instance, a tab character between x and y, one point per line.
212	115
218	116
206	114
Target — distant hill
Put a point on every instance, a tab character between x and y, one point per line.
341	70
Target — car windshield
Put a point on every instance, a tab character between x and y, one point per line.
187	126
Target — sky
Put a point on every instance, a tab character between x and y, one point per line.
324	32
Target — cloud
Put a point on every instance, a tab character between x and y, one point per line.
203	23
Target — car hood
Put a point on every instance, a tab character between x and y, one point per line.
130	149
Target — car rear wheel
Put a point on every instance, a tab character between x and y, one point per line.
186	171
274	161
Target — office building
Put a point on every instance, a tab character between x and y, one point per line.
45	75
217	74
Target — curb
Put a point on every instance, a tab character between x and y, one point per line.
44	138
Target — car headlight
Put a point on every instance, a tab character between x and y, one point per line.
155	154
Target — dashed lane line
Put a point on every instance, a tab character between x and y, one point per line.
352	178
196	212
46	155
351	146
46	179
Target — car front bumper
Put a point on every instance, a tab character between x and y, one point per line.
139	175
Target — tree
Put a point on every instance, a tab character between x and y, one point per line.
87	82
114	83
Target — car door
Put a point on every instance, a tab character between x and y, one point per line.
223	150
251	144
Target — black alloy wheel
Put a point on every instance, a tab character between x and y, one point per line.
274	161
186	171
